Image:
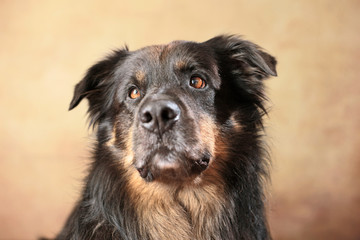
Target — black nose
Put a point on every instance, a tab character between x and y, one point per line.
159	115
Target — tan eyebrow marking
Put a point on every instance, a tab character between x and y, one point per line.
140	75
180	64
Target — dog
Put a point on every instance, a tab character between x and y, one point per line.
179	153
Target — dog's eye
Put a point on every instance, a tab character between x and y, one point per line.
197	82
134	93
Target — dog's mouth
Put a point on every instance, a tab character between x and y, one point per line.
168	166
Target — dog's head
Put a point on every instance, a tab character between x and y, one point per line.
168	108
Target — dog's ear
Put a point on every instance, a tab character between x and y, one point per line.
97	77
243	66
244	56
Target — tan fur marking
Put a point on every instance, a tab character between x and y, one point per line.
236	125
140	75
180	64
205	204
207	133
112	142
128	161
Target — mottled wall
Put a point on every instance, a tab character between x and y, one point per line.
314	125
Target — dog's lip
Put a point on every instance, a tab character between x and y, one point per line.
201	164
143	171
148	168
204	162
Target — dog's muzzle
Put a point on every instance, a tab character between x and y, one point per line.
162	126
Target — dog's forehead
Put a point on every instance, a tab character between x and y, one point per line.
177	55
165	53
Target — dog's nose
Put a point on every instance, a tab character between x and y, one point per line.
159	115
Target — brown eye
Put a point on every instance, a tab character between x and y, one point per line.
134	93
197	82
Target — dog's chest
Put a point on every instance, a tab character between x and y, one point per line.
190	214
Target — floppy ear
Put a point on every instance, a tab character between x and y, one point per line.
96	78
249	59
243	66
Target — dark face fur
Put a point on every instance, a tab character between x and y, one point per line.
166	108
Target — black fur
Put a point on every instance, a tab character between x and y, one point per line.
232	106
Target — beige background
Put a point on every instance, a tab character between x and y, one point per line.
314	125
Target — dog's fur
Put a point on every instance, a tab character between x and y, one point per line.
198	171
